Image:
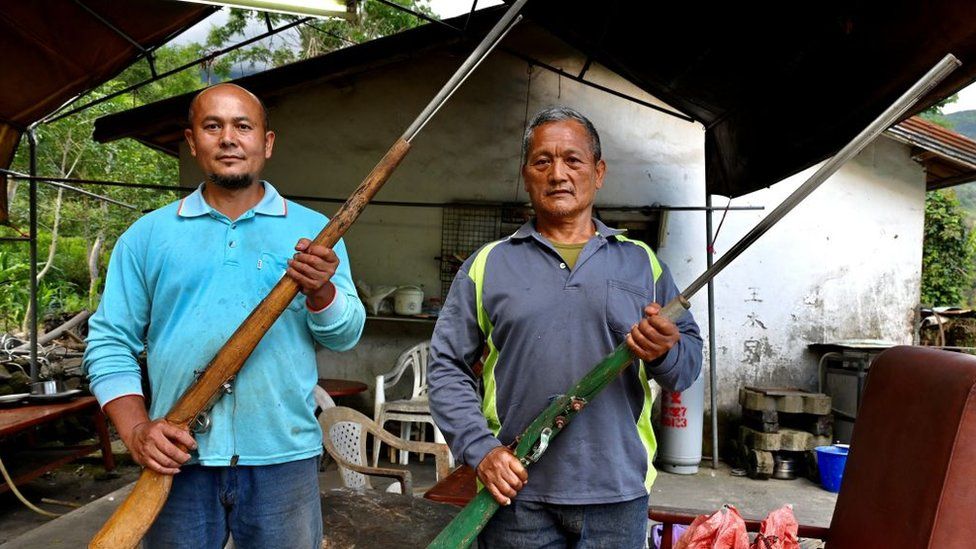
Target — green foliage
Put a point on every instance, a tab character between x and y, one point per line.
948	252
935	115
312	39
65	149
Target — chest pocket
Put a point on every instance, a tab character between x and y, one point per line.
625	305
271	268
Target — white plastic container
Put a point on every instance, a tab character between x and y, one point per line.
408	300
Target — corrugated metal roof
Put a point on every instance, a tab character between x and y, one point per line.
949	157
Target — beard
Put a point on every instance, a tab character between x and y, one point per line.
232	182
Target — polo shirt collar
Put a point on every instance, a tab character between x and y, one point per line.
528	229
194	205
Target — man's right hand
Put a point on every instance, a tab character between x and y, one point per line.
153	445
502	474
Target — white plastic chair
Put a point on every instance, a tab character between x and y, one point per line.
410	410
344	433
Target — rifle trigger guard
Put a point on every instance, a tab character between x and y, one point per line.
201	423
541	447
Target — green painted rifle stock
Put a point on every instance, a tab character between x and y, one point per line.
533	441
463	529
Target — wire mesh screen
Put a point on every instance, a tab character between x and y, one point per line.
463	230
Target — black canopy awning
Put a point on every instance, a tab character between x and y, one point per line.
55	49
778	87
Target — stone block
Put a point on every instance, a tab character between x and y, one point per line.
818	404
794	440
757	440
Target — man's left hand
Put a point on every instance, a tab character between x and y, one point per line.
653	336
312	267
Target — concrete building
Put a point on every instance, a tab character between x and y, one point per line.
844	265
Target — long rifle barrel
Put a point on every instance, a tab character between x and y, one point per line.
532	442
891	115
494	36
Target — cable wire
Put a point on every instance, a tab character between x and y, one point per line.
28	504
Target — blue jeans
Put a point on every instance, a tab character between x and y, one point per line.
263	507
528	524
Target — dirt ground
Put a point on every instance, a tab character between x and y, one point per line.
79	482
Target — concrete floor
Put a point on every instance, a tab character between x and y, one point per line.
711	488
706	491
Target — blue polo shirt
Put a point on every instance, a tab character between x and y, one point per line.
180	281
550	325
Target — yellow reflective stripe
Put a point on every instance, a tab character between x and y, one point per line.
655	264
644	428
489	406
477	275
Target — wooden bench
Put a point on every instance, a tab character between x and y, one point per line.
23	419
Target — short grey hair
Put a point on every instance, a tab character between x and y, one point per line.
560	113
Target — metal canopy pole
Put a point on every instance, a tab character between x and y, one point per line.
578	79
32	317
61	113
712	374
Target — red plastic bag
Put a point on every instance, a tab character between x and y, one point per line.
778	530
725	529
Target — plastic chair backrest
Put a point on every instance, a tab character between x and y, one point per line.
414	358
349	441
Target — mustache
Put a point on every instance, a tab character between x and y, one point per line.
571	191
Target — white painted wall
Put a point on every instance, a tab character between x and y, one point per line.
845	264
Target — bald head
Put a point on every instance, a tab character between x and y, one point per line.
228	136
232	89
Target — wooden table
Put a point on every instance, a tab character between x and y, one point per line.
458	488
341	387
22	419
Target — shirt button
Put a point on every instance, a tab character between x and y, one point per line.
562	265
233	226
233	244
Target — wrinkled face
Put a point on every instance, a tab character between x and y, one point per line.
561	174
228	137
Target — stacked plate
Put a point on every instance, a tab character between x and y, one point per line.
56	397
16	398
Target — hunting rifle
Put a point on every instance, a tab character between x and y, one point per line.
534	440
126	527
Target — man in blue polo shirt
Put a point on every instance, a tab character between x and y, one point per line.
541	308
180	281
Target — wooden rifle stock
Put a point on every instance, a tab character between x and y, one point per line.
126	527
133	518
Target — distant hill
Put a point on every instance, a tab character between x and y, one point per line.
964	122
